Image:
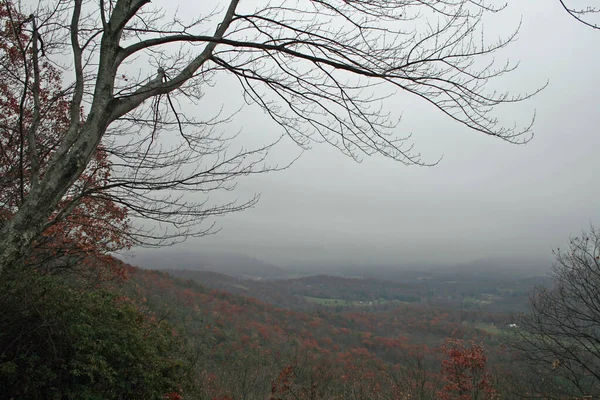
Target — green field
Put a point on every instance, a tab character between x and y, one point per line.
332	302
481	301
489	328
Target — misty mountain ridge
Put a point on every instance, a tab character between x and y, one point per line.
506	266
245	266
232	264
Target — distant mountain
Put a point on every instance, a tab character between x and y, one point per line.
491	268
502	267
233	264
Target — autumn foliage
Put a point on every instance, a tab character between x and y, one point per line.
464	372
88	224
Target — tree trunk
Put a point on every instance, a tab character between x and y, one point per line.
19	232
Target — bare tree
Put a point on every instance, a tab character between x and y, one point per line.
320	69
561	333
582	13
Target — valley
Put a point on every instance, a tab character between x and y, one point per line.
336	336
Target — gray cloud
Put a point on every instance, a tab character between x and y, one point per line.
486	197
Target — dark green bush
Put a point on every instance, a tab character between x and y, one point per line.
61	342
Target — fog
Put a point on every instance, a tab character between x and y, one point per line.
485	198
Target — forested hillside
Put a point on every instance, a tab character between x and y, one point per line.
210	344
152	333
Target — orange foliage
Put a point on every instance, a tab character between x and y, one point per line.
95	225
464	372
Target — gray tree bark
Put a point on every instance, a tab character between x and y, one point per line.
78	146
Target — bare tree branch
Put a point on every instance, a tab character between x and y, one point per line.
561	333
323	71
580	14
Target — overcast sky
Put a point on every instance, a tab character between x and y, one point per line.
486	198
